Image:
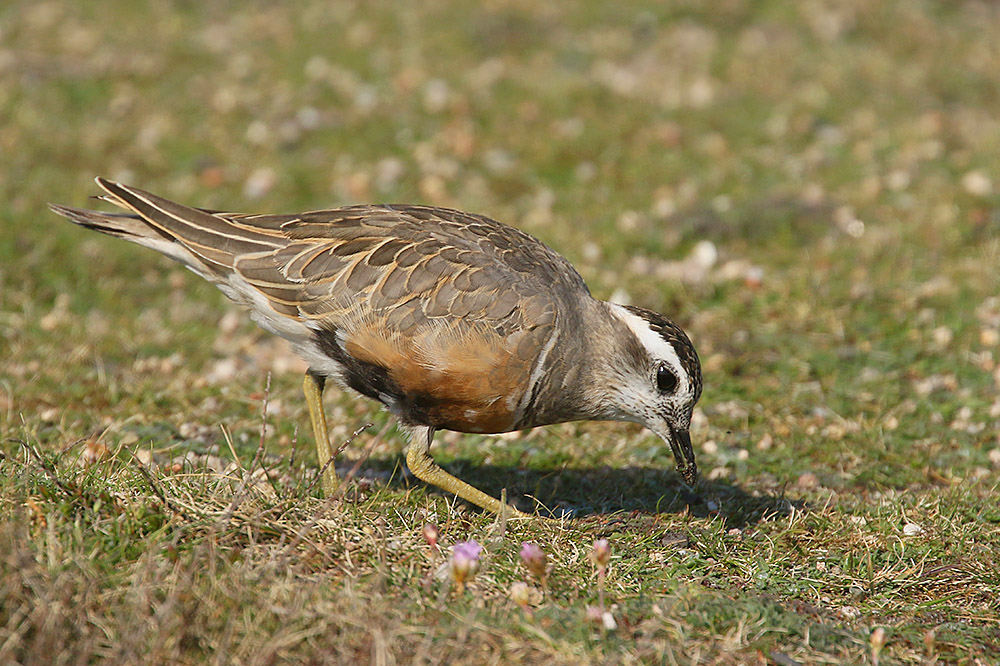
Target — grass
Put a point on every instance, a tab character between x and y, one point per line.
840	158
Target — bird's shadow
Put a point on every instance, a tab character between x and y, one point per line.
582	492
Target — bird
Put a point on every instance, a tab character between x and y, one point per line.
450	320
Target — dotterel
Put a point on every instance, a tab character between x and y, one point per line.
450	320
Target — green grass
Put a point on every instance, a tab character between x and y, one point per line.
842	158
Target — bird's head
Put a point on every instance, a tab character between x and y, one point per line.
656	381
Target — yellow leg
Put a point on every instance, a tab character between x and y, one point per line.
419	460
312	386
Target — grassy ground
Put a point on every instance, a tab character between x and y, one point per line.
810	188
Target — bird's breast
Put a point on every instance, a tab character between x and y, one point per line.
449	375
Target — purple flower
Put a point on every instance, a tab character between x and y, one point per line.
601	554
464	562
534	559
594	614
466	550
431	535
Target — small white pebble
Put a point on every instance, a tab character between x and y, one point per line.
585	172
701	92
308	117
994	456
710	447
704	254
664	207
591	252
569	128
855	228
499	161
977	183
897	180
177	279
49	322
230	322
260	182
317	67
813	194
258	133
388	171
222	371
834	431
754	276
869	375
807	480
436	95
366	97
722	204
942	336
609	621
717	473
912	529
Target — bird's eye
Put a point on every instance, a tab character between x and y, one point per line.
666	380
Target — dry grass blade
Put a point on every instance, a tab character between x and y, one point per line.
338	451
158	491
304	530
244	490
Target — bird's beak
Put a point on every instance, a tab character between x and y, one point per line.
679	440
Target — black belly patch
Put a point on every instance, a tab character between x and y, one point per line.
366	378
375	381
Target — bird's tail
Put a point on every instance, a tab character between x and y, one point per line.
198	238
124	225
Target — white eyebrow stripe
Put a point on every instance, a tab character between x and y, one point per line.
655	345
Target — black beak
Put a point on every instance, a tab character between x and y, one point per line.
680	444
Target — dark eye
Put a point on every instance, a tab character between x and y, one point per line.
666	380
